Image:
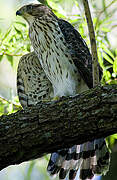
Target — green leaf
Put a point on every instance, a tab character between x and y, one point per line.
18	31
114	81
10	59
1	56
110	141
106	75
114	136
28	47
7	33
115	65
23	24
105	29
107	51
30	169
100	58
116	52
108	67
107	57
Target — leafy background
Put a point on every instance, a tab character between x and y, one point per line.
14	42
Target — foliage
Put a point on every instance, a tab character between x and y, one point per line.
15	41
8	107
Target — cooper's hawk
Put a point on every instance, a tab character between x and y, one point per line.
63	68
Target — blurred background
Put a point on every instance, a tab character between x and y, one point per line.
14	42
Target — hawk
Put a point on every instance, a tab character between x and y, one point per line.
61	65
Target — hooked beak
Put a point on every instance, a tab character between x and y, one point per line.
18	13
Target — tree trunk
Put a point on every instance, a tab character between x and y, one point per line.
38	130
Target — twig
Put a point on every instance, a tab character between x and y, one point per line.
93	43
5	53
10	102
102	11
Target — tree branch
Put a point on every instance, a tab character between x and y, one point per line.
33	132
93	44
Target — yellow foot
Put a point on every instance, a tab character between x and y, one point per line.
56	98
46	100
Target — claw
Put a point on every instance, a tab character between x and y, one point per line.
56	98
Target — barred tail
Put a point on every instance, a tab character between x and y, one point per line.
91	157
96	160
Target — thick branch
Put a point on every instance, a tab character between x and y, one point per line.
30	133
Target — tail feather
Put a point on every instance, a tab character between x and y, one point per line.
56	161
72	174
91	157
97	161
63	173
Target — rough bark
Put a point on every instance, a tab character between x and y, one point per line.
31	133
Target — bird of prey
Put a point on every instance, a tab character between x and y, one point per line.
61	65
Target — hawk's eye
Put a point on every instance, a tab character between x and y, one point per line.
29	8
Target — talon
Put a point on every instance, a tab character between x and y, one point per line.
56	98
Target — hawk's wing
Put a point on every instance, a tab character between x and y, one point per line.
78	50
32	83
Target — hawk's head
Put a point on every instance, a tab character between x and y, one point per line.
33	11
